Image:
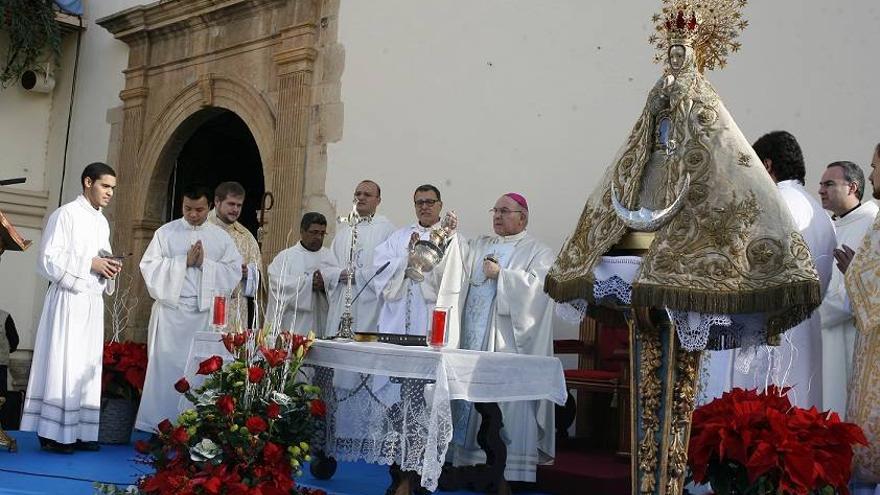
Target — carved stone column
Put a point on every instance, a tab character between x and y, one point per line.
295	64
131	176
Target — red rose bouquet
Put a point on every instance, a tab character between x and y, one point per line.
758	443
250	427
124	370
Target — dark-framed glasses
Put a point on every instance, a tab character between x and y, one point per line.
831	183
426	202
504	211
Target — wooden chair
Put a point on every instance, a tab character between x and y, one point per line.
603	368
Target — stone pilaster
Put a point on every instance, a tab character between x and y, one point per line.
295	62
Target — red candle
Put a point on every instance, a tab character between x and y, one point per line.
219	319
438	327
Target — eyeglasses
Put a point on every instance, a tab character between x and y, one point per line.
831	183
504	211
426	202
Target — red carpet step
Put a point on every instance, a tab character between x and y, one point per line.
579	471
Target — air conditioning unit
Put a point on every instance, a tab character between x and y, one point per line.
38	80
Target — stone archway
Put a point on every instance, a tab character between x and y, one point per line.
255	58
192	107
221	148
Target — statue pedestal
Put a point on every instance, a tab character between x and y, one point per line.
662	392
662	388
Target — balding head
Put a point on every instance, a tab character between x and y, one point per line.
368	196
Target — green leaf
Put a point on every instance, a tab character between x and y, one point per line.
31	30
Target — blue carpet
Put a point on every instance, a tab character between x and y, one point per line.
32	471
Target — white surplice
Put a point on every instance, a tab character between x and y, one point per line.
797	361
291	297
838	325
408	304
366	309
511	314
183	305
63	398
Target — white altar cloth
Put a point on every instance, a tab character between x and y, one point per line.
408	420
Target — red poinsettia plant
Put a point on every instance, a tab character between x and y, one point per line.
750	442
250	426
124	370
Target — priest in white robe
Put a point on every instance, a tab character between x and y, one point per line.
863	291
373	230
300	278
188	262
408	303
63	400
841	190
797	361
506	310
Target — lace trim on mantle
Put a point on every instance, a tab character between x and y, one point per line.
696	331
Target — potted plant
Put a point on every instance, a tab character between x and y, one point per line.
124	371
755	443
31	29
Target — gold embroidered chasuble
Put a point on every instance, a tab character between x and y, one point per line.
863	404
732	248
250	254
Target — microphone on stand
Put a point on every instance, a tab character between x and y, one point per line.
380	270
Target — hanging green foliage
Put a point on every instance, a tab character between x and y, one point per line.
31	29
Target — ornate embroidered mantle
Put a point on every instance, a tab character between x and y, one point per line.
732	249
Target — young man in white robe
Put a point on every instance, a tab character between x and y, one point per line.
188	263
300	278
841	190
371	232
505	309
228	201
63	400
797	361
408	302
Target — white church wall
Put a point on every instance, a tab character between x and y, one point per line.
482	98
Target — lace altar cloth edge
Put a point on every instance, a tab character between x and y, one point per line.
381	419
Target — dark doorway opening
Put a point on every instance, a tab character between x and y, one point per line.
221	149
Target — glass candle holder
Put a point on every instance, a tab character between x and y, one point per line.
438	334
218	315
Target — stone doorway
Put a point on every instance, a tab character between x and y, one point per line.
272	67
221	149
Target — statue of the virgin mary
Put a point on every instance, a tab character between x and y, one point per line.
724	241
688	238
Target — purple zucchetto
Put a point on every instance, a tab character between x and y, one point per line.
520	200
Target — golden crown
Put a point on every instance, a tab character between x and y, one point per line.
711	27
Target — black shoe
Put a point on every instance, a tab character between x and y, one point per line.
87	446
50	445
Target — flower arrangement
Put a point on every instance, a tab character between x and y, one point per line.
124	370
251	424
125	362
748	442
